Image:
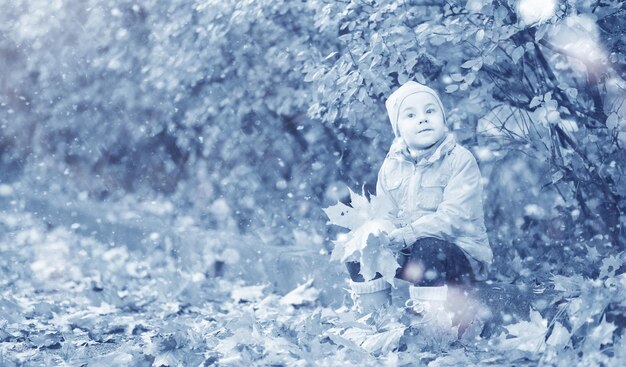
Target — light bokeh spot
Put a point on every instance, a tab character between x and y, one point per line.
536	11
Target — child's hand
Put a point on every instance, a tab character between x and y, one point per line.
401	238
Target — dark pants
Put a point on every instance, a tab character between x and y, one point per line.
428	262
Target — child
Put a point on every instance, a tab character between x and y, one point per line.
435	187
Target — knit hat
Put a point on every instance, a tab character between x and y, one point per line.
397	97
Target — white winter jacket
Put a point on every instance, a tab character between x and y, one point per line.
440	196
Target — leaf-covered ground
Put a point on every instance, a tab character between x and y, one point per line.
69	298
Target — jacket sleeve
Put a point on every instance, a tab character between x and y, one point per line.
461	203
382	193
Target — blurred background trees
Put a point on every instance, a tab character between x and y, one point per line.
253	115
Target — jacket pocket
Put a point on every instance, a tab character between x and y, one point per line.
393	184
430	192
395	190
430	197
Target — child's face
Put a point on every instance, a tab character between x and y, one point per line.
420	122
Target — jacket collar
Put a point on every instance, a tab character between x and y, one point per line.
402	154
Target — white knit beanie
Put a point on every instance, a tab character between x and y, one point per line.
397	97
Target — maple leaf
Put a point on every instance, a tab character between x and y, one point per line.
368	246
355	242
301	295
570	286
377	258
343	216
350	217
585	307
363	337
248	293
599	336
367	240
528	336
560	336
360	211
385	341
610	266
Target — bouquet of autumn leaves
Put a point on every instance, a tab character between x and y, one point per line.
367	241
